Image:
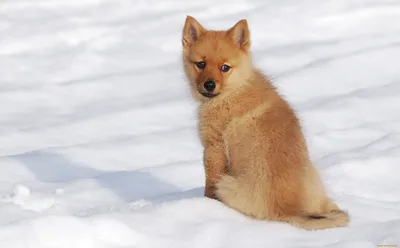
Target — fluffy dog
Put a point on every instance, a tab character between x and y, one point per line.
255	156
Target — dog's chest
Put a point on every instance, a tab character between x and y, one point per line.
212	123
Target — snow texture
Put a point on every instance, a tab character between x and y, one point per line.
98	140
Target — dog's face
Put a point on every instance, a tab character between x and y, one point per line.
215	62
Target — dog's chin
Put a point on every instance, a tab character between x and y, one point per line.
209	95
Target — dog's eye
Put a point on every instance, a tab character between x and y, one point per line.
201	64
225	68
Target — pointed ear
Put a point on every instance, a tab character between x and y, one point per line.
191	31
240	34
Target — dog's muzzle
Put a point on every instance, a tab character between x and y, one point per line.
208	94
209	87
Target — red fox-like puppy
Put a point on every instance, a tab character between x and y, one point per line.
255	156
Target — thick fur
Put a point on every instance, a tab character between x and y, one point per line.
255	155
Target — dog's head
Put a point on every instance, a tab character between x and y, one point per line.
216	62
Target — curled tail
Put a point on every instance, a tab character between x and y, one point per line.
319	221
250	200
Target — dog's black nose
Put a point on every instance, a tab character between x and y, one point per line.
209	85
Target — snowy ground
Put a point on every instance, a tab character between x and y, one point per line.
98	146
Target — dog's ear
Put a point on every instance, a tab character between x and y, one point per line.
240	34
191	31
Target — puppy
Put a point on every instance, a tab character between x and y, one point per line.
255	156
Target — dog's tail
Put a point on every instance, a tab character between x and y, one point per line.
333	219
236	193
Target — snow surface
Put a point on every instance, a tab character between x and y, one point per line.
98	142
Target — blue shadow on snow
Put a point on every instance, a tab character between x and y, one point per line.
128	185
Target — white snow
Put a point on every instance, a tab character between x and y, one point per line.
98	140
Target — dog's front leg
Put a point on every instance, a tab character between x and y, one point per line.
215	165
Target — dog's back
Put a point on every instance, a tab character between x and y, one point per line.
269	174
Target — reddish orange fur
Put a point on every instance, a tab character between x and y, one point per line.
255	155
